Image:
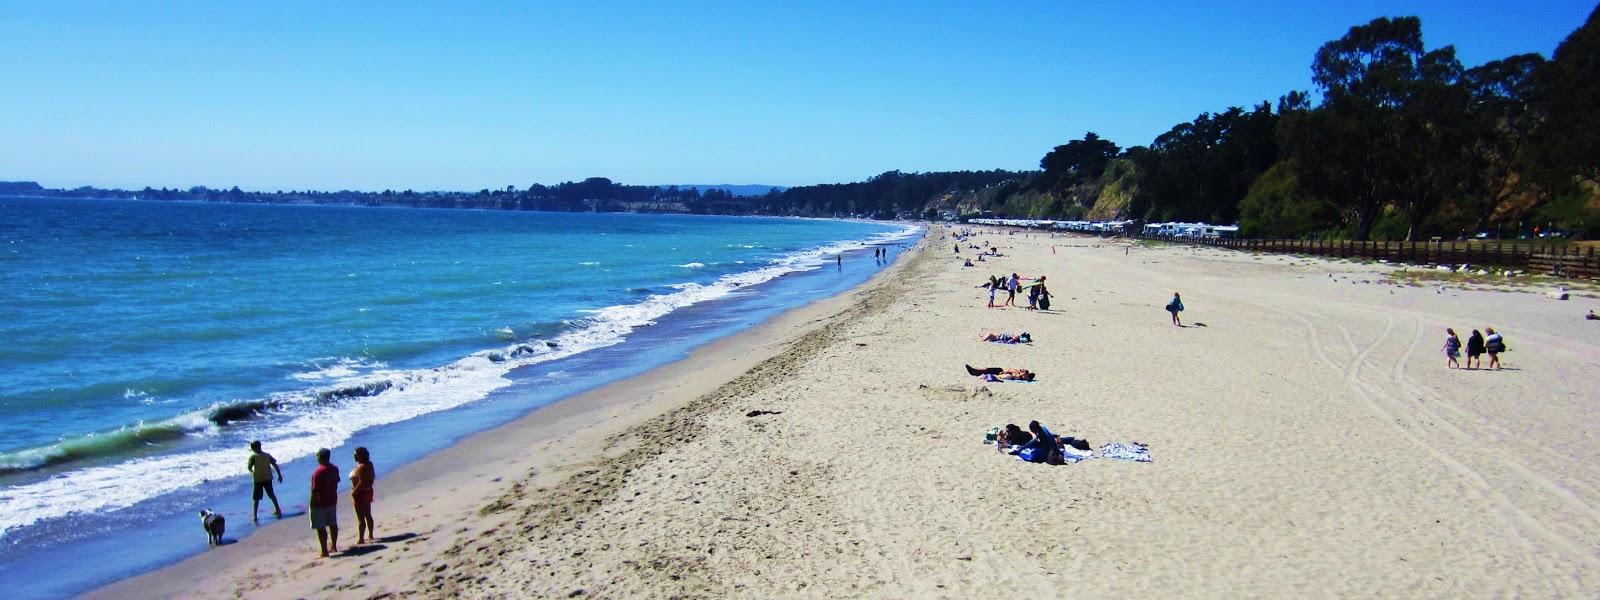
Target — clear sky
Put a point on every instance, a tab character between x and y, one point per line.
464	95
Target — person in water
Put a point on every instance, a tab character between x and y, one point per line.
1452	349
1003	374
1475	350
261	465
1175	307
361	479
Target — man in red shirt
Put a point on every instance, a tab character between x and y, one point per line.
324	504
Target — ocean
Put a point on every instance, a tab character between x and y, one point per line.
144	344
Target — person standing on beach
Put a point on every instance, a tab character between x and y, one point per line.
1452	349
361	479
1175	307
1011	290
261	466
994	284
324	503
1475	350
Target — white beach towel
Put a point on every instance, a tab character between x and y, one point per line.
1135	451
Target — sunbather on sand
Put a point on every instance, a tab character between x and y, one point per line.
1006	338
1002	374
1012	436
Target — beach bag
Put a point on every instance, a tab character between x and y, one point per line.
1175	306
994	434
1025	338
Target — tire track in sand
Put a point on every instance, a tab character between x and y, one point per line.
1413	429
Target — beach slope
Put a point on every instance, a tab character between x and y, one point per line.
1307	441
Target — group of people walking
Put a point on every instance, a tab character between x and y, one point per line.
1038	294
323	505
1477	345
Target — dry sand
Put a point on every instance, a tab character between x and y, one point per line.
1308	441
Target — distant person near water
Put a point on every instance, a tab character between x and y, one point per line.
1475	350
1494	345
1452	349
324	503
1175	307
361	479
261	466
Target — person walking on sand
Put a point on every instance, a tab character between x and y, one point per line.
1494	345
361	479
1011	290
261	465
1475	350
1175	307
994	285
1452	349
324	503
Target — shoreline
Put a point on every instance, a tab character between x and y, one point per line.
1307	439
413	493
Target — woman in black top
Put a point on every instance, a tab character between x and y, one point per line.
1475	350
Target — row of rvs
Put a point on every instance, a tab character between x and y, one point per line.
1129	227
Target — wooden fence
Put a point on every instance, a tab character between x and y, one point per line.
1561	260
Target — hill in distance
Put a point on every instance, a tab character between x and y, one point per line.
749	189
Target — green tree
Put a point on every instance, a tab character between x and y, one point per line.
1352	149
1500	124
1077	161
1567	142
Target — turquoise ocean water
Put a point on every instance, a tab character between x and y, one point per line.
142	343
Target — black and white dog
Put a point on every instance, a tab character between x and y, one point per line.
214	525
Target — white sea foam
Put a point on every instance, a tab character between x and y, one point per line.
332	369
328	416
693	265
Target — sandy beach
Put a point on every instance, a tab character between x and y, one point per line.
1307	441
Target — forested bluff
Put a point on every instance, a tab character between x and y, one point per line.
1398	141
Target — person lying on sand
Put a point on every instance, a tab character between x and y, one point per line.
1002	374
1012	436
1006	338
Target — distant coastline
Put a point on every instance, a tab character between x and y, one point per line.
891	195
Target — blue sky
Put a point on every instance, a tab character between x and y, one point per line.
472	95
